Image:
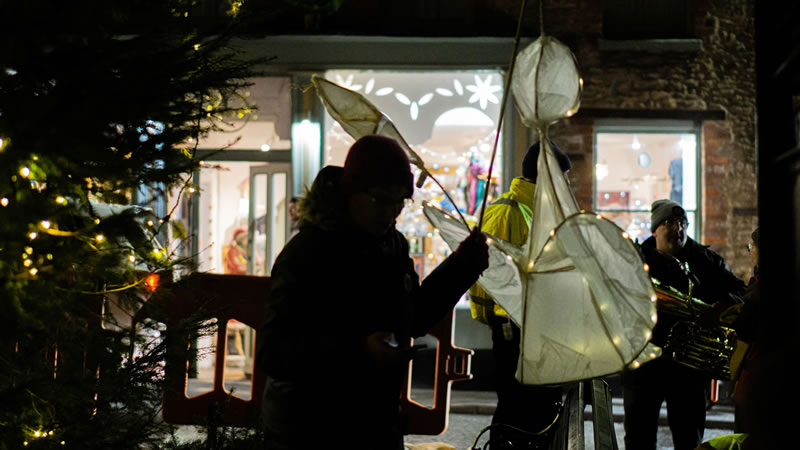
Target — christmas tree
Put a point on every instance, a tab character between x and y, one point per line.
97	101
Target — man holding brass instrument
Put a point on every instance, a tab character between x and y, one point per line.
668	252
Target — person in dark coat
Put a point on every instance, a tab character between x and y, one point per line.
684	389
345	301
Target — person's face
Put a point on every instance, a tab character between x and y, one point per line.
753	249
376	209
671	235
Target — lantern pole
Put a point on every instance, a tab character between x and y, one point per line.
502	108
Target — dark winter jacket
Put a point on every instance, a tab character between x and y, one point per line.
332	286
711	278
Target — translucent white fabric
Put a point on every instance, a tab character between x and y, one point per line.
359	117
545	83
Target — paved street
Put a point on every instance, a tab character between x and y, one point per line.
471	411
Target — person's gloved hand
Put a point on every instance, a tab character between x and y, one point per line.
473	253
384	350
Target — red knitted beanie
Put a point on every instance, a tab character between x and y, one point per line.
376	161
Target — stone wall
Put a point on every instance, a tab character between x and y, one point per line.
720	76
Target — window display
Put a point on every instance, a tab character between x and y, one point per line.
634	169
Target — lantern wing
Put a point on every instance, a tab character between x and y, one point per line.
359	117
589	307
502	278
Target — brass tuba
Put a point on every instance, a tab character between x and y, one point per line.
706	349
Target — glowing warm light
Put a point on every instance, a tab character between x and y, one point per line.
46	224
61	200
33	271
648	334
552	233
150	223
636	364
653	356
646	268
99	238
625	235
49	256
28	250
97	221
33	235
192	189
197	47
616	340
654	318
430	255
152	281
265	147
27	263
508	257
37	433
25	171
653	298
4	201
132	258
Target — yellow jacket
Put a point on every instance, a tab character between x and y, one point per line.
507	218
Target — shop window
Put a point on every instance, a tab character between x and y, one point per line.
450	120
634	169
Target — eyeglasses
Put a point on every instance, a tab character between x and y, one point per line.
387	201
677	221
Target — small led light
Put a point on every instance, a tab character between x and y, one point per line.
97	221
46	224
33	271
4	201
636	364
61	200
27	263
33	235
646	268
625	235
25	171
99	238
552	233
